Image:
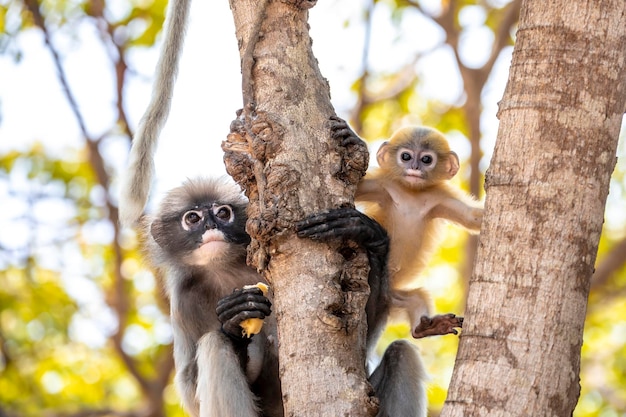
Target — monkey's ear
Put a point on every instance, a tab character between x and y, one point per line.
382	155
452	164
157	230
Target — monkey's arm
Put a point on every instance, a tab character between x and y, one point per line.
371	190
348	223
464	212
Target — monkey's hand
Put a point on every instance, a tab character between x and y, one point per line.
437	325
242	304
346	223
340	130
352	150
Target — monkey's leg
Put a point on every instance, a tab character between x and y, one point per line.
437	325
222	386
399	382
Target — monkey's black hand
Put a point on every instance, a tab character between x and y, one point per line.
242	304
437	325
346	223
340	130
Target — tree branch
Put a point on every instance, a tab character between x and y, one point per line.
33	8
118	299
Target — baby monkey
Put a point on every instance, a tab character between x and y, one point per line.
410	196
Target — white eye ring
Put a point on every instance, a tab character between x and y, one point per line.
405	155
428	158
224	213
190	218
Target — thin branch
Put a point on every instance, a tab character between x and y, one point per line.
119	300
33	8
107	35
502	35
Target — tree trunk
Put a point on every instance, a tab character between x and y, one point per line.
281	152
560	118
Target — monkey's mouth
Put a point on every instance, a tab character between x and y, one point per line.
414	176
211	236
210	240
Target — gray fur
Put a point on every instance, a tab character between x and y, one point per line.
209	375
138	179
213	380
399	382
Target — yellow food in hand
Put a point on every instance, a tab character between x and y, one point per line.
253	326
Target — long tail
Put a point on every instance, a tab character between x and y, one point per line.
138	179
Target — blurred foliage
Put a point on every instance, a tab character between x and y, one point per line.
82	324
55	262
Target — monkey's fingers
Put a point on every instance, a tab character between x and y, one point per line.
326	220
229	307
345	223
437	325
253	326
328	227
233	310
233	326
339	129
336	122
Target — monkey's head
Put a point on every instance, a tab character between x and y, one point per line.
201	222
418	156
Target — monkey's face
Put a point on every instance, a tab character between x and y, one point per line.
416	164
419	157
201	234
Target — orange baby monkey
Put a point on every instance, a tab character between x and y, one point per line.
410	196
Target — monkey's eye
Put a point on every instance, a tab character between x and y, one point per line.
223	213
406	156
428	159
190	218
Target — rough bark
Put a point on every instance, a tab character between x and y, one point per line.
281	152
560	117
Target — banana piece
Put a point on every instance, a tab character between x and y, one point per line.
253	326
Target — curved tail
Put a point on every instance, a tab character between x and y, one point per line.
138	179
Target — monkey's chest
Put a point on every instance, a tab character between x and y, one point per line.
412	233
407	213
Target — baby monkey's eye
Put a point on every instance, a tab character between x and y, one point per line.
406	156
427	159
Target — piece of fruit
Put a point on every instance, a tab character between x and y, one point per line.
253	326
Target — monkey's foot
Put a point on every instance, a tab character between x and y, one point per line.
437	325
